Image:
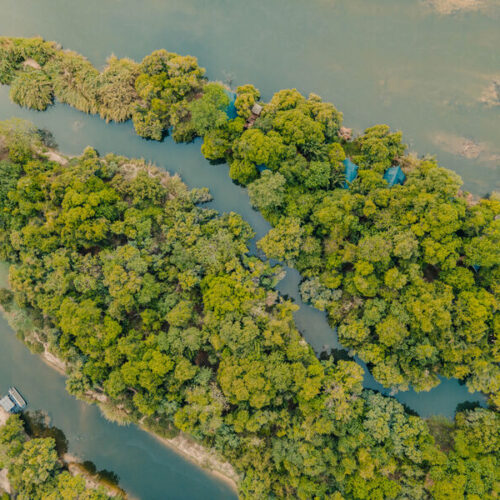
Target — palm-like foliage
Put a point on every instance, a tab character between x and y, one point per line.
32	89
117	94
76	81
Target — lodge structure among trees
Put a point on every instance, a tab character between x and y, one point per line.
394	175
351	172
196	341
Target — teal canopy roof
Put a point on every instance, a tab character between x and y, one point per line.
231	108
350	171
394	175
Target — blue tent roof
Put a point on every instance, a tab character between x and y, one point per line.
394	175
231	108
351	172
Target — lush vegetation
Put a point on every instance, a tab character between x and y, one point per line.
157	94
154	301
35	470
408	275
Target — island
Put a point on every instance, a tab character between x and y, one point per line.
157	309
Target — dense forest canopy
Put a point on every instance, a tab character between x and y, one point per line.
155	302
35	471
409	275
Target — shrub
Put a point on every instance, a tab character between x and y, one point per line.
117	94
32	89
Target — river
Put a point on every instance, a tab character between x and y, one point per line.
146	468
380	61
395	61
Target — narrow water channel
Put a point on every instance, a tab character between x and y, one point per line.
405	65
74	130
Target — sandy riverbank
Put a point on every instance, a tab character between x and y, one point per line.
202	457
92	481
183	444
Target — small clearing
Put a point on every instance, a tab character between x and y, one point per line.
31	63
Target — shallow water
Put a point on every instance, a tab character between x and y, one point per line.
392	61
395	62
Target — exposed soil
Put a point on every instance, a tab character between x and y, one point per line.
4	416
4	481
202	457
31	63
451	6
53	156
491	94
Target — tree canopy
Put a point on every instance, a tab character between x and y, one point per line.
155	302
35	471
183	319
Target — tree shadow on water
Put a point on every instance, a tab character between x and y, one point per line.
37	425
105	475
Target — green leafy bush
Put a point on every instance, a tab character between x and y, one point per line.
156	301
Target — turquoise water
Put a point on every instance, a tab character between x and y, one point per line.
380	61
146	468
392	61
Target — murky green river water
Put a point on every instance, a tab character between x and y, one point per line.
380	61
146	468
